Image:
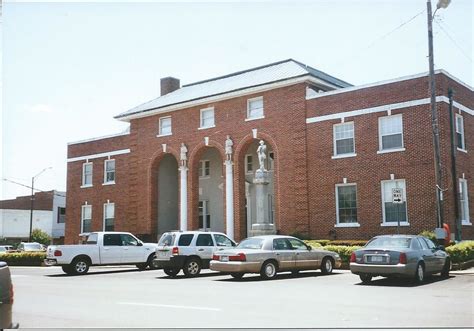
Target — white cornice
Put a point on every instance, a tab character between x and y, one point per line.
389	81
384	108
96	156
98	138
229	95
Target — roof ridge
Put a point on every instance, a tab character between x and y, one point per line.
239	72
305	66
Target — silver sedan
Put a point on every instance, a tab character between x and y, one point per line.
400	256
268	255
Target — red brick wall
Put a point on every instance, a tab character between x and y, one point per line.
43	201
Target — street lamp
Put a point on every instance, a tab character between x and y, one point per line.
33	198
434	112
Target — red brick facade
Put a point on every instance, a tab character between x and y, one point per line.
305	173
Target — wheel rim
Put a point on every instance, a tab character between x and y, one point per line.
193	268
81	266
420	273
328	265
270	270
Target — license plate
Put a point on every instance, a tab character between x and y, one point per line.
163	255
377	259
224	258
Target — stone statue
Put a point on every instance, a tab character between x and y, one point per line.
262	155
228	148
183	156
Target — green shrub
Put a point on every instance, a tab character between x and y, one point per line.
347	242
343	251
313	243
462	252
23	258
322	242
40	236
428	234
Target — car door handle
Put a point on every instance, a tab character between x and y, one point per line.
201	250
125	248
277	254
220	249
106	248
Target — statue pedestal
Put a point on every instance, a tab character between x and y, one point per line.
262	225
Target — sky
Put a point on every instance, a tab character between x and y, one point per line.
68	68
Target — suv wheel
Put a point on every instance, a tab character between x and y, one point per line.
192	267
171	272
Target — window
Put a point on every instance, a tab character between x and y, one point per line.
431	245
128	240
346	204
281	244
460	132
112	239
92	239
204	240
390	132
109	171
61	215
223	241
298	244
415	245
204	168
204	215
248	163
109	216
271	161
207	118
464	201
87	174
165	126
255	108
423	243
343	138
185	239
393	211
86	218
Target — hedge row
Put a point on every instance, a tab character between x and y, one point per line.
23	259
337	242
462	252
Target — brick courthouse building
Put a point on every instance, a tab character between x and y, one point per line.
335	152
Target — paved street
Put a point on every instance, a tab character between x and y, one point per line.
125	297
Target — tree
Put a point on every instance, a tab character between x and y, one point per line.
39	236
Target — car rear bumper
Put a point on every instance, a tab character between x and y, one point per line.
404	270
50	262
6	317
235	266
175	262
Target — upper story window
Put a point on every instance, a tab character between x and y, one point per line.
165	126
87	174
271	161
464	202
109	172
392	212
248	163
207	118
344	139
109	216
255	108
391	133
204	168
460	132
86	218
61	215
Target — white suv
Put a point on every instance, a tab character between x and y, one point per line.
188	250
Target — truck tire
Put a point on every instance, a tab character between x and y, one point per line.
149	262
171	272
67	269
80	265
142	266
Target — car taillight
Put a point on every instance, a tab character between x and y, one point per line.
403	258
238	257
215	257
353	257
175	251
58	253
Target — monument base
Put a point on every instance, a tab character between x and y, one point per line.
262	229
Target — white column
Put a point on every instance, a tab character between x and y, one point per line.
229	199
184	198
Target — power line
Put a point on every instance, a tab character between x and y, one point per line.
453	41
36	189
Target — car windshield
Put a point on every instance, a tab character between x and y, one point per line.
3	249
388	242
32	247
167	239
251	243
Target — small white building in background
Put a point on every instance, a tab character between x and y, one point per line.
49	215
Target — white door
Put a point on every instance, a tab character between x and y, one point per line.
132	253
111	250
205	246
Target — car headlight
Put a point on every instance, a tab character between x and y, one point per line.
337	256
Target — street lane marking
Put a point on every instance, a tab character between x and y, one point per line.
167	306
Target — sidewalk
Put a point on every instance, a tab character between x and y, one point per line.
469	271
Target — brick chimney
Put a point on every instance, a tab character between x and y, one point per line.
168	85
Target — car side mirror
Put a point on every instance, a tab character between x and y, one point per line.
441	247
309	248
140	243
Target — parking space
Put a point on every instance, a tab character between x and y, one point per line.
126	297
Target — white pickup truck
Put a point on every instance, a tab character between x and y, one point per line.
101	248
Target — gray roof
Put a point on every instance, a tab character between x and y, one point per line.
270	73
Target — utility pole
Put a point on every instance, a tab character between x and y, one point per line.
33	200
434	115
